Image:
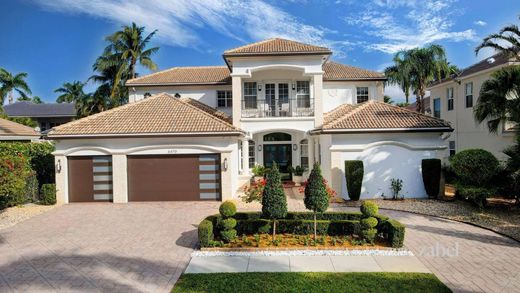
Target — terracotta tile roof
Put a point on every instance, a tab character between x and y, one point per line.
277	47
185	76
379	116
208	109
338	71
161	114
10	128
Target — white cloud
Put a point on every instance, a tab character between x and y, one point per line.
180	22
480	23
407	24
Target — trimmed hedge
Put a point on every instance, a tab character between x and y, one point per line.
205	233
476	195
301	223
354	176
48	194
474	167
431	175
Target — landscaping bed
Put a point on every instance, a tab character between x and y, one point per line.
310	282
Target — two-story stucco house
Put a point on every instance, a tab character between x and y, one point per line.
194	133
453	99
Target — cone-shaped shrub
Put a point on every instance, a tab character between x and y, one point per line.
431	175
316	196
274	202
354	176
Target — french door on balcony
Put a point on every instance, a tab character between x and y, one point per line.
277	99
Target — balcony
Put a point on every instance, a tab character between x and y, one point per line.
291	107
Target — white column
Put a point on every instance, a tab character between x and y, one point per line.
317	82
62	184
226	176
119	179
237	99
245	156
310	147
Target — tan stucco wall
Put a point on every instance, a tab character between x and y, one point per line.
469	133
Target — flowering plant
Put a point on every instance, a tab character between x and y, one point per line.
254	191
330	191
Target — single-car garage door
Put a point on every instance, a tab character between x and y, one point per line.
90	178
173	177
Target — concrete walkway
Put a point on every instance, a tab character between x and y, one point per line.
239	264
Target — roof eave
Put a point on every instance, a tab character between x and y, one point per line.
358	79
381	130
225	55
177	84
125	135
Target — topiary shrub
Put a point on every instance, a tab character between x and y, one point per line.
431	175
474	167
395	231
48	194
316	196
228	224
369	209
228	235
205	230
274	202
228	209
476	195
354	176
368	223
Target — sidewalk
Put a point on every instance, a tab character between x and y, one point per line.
238	264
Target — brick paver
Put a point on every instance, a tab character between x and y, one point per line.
144	247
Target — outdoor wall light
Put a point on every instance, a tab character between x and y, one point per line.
224	164
259	147
259	87
58	166
293	86
294	147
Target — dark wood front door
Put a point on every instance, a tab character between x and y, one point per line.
279	153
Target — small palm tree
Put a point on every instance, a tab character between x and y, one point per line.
130	46
506	41
89	104
398	74
70	92
10	83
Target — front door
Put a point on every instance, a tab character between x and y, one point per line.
281	154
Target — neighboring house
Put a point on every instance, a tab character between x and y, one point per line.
194	133
425	104
47	115
11	131
454	98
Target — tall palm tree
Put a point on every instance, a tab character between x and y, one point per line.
499	98
70	92
106	68
130	46
423	65
506	41
398	74
10	83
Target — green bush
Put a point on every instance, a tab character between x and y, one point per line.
48	194
329	216
354	176
39	155
14	173
474	167
369	209
368	223
274	202
228	209
228	224
205	233
476	195
395	233
228	235
431	175
369	235
316	197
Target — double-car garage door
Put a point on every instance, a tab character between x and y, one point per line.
149	178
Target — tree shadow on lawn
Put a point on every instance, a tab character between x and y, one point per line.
104	272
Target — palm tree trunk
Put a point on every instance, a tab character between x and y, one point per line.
274	228
418	104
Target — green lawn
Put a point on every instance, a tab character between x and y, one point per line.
310	282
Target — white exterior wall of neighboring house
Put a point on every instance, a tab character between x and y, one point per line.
336	93
385	156
119	148
468	133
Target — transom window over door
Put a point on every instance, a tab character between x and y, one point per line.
361	94
277	136
250	95
224	99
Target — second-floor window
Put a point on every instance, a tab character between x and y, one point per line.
250	95
452	148
469	94
303	96
361	94
224	99
449	94
437	107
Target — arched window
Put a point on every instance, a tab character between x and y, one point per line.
252	153
277	136
304	153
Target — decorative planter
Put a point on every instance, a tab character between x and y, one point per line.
297	180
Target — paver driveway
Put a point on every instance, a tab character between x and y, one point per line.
136	247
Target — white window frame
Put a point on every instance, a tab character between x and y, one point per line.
251	96
226	96
452	147
450	98
362	95
468	94
304	153
303	94
252	153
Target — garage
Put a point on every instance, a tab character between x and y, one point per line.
174	177
90	178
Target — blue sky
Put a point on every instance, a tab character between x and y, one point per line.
57	41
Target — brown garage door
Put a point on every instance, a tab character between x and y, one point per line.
90	178
173	177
